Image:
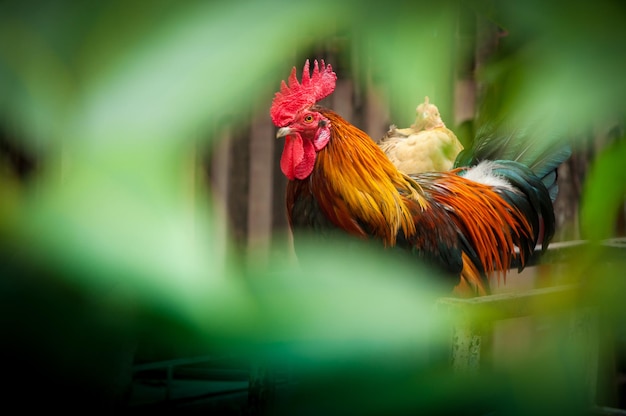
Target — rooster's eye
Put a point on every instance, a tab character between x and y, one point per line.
308	119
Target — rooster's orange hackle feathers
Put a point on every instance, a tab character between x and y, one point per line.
369	189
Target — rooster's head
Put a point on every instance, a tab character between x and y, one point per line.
305	129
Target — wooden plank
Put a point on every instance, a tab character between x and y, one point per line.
260	194
471	320
238	186
220	185
262	389
567	251
513	305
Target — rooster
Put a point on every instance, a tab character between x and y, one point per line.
426	146
471	220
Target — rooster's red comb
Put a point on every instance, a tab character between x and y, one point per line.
297	96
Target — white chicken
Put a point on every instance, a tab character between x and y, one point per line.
427	146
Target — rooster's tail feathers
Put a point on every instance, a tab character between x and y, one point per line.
532	198
533	146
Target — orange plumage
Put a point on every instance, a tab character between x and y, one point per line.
466	221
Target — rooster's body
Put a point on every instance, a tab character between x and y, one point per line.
467	220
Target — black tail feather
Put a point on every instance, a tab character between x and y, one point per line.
534	201
532	145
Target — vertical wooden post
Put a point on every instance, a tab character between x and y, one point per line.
262	388
466	346
260	192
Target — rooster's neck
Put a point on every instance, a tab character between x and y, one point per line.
358	187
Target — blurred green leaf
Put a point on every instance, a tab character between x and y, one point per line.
411	54
604	192
118	94
147	72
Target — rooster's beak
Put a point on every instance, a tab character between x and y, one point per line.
282	132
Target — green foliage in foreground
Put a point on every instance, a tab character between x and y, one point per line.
104	245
